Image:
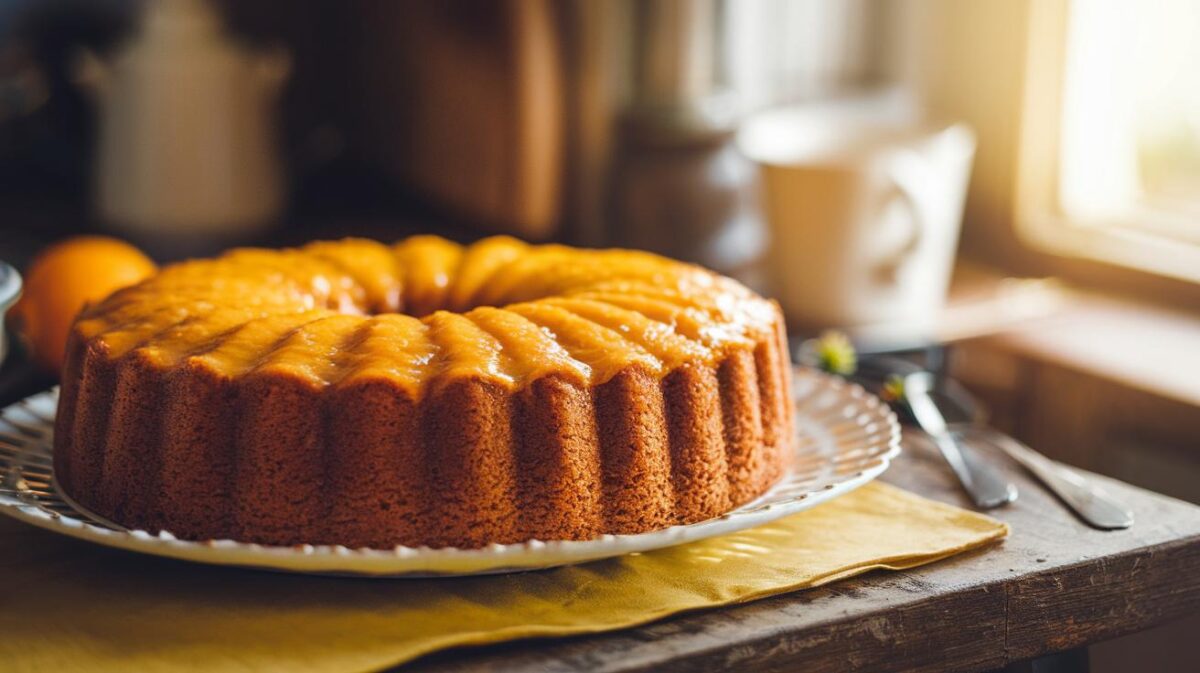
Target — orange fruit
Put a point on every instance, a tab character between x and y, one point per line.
64	278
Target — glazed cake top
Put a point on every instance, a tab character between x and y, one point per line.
335	312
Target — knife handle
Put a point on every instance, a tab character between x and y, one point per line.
982	482
987	488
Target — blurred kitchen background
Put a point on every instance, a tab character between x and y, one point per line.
1018	179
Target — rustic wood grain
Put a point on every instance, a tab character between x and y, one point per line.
1054	584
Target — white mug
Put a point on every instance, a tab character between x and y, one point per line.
864	217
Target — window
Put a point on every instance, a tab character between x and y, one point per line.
1125	187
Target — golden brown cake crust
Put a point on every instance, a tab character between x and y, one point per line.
321	395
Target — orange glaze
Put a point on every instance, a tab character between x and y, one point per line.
499	310
428	262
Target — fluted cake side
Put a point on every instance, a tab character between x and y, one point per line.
324	396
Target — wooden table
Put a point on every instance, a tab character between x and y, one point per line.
1053	586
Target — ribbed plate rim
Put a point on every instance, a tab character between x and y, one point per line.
821	400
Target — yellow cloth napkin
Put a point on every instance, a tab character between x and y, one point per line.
66	605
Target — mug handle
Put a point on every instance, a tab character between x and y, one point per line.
909	179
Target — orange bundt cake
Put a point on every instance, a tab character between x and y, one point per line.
423	394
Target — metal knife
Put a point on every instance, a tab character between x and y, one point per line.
1093	504
987	488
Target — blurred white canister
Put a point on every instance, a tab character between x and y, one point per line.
864	214
187	128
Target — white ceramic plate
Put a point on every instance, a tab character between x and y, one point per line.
846	438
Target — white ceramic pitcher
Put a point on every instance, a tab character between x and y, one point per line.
188	143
